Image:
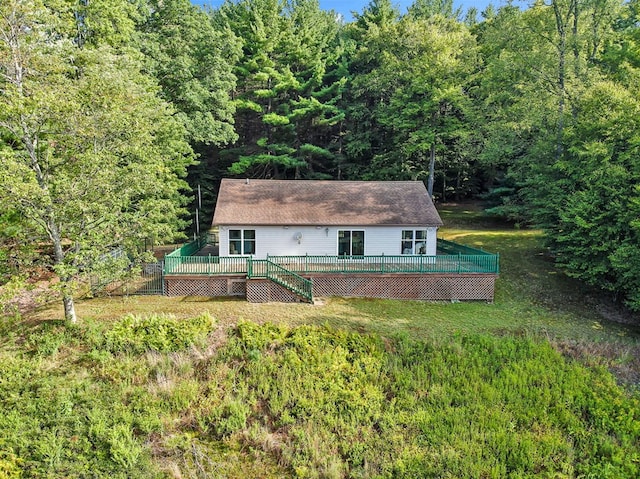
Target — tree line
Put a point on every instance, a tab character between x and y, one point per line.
110	109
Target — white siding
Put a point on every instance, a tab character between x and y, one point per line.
322	240
388	239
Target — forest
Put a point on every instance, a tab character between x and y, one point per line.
114	112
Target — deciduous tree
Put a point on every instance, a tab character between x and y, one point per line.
90	154
412	87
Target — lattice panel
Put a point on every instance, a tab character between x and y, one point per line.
428	287
474	288
204	286
433	287
237	287
282	295
258	291
264	291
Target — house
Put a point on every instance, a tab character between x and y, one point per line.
296	240
261	218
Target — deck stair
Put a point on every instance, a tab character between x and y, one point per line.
293	282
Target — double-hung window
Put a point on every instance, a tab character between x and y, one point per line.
350	243
242	242
414	242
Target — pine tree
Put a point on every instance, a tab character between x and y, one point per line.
285	109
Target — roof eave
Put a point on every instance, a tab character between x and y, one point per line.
413	225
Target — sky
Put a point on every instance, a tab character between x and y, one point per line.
345	7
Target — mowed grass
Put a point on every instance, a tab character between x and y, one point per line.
531	296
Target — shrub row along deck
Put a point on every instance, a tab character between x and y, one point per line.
462	273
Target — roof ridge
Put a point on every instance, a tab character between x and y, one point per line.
269	180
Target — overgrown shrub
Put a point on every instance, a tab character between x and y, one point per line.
162	333
10	464
305	402
351	405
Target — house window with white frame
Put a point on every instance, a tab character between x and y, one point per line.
350	243
242	242
414	242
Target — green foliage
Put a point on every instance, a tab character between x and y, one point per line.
595	233
560	122
157	333
123	447
71	408
91	156
192	61
246	163
287	90
474	406
17	251
408	99
61	425
430	8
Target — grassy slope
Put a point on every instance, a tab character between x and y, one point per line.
530	295
278	401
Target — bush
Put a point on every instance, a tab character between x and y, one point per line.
160	333
10	465
309	402
473	406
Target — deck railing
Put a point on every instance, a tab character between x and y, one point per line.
190	248
383	264
457	259
449	247
209	265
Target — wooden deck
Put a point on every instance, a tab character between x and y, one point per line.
462	273
214	265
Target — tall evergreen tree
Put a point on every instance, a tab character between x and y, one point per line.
430	8
597	236
286	109
192	61
371	33
408	82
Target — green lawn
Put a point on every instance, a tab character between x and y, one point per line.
190	387
531	296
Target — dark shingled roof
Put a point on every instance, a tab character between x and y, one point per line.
326	203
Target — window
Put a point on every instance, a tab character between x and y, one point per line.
350	243
414	242
242	241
